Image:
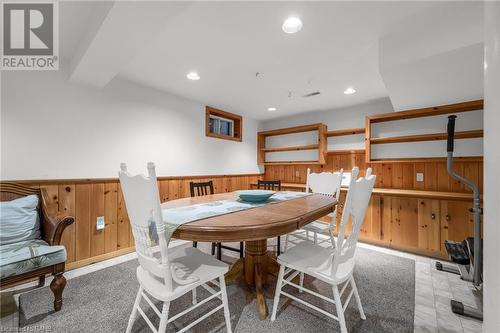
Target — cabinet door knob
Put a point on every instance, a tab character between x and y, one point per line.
447	217
433	216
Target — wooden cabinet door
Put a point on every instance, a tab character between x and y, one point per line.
371	228
404	222
456	221
386	220
429	225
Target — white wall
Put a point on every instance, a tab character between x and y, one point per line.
51	128
491	166
352	117
348	117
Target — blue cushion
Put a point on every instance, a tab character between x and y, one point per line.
19	220
26	256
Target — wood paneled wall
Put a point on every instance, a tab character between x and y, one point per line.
88	199
398	175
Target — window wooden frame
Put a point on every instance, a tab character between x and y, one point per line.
236	119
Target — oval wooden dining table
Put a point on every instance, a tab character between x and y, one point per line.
253	226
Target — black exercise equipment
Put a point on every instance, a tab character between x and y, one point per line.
468	254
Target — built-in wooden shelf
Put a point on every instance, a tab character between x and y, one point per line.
350	131
476	105
428	159
321	146
324	134
346	151
291	130
422	194
427	137
428	112
292	148
395	192
292	162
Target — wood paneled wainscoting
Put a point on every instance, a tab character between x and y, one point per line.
403	213
397	175
87	199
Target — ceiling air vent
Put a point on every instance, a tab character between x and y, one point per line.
312	94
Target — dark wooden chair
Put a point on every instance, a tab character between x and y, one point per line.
273	185
52	227
201	188
206	188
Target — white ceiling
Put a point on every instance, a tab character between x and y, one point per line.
229	42
73	23
438	65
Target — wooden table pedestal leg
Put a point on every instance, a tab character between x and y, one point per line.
235	272
256	271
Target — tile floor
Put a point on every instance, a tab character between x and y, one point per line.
433	290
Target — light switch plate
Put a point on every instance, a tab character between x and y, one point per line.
100	223
297	173
420	176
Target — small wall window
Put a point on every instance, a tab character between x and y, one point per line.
223	125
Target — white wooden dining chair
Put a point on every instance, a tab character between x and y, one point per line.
174	272
326	183
331	265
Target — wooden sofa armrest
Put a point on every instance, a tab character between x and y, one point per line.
53	224
53	227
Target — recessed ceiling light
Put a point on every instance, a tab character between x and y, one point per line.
292	25
271	109
193	76
349	91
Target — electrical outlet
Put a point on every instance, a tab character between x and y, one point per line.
297	174
100	223
420	176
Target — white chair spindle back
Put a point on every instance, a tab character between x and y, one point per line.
357	200
143	207
326	183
